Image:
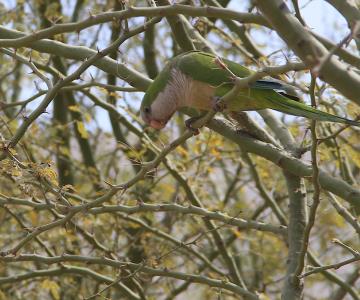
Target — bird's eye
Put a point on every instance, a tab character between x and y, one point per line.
147	110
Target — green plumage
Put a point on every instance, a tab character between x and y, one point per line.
202	67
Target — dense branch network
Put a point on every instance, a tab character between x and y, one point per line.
211	226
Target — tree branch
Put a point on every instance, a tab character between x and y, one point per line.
310	50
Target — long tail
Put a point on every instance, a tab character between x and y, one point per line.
289	106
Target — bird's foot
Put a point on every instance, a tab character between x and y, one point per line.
189	122
218	104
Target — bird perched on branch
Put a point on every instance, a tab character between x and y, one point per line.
197	80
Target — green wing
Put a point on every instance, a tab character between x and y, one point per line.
201	66
262	94
156	87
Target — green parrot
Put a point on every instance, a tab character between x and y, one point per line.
196	80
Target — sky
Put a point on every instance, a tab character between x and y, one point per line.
318	14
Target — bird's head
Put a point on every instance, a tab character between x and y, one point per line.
159	102
153	115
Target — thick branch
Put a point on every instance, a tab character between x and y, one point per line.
195	210
288	163
104	261
168	10
310	50
80	53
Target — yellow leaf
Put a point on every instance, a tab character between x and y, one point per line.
237	233
49	173
87	117
92	171
34	217
12	151
167	188
2	295
64	150
354	155
82	130
75	108
353	109
152	261
215	152
68	188
133	225
15	172
169	263
263	296
52	287
131	202
294	129
183	152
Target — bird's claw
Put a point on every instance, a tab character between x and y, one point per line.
218	104
188	124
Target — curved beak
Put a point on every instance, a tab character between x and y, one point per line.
157	124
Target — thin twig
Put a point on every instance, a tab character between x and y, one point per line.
316	184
